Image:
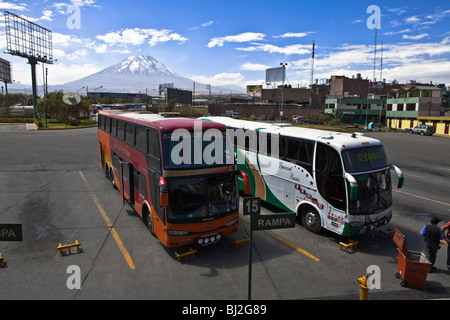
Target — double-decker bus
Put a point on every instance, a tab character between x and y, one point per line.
181	202
335	181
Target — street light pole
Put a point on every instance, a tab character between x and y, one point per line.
282	91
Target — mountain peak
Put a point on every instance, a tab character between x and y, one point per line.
142	65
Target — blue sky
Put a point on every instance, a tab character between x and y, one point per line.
233	42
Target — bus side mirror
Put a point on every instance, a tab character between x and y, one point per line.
401	177
163	193
353	186
246	180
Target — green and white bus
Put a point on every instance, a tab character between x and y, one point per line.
335	181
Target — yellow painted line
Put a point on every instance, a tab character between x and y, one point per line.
431	179
114	233
290	244
428	199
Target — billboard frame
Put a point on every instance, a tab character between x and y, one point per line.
28	40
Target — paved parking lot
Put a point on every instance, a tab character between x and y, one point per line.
51	183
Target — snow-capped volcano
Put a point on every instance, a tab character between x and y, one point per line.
143	65
135	74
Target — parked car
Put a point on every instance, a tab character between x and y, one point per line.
235	115
253	117
312	121
263	117
299	119
422	129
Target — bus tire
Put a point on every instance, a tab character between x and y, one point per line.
148	220
311	219
111	177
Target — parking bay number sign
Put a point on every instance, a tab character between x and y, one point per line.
252	207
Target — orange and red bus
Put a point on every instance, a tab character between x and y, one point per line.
181	198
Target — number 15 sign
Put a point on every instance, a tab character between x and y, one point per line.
252	206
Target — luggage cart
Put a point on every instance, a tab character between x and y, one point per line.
412	266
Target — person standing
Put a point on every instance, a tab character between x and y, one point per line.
432	235
446	231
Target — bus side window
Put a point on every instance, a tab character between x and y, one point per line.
300	152
264	143
108	124
120	130
153	149
140	184
282	150
114	127
141	138
129	133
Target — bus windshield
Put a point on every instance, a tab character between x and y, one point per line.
374	193
364	159
202	198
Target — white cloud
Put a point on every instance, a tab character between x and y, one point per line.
221	79
12	6
60	73
242	37
293	35
47	15
203	25
138	36
397	32
288	50
418	37
403	61
249	66
65	40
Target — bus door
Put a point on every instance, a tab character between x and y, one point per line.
102	155
127	182
153	178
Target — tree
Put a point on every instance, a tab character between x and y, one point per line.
171	105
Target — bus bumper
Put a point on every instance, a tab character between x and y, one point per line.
352	230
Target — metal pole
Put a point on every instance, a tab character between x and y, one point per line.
33	63
250	249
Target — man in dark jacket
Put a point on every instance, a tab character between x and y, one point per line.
432	235
446	230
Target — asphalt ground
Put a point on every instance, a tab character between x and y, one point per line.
52	184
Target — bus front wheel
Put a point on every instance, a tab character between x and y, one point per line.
148	220
311	220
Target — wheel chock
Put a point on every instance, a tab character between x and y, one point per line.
236	243
352	245
186	255
61	248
